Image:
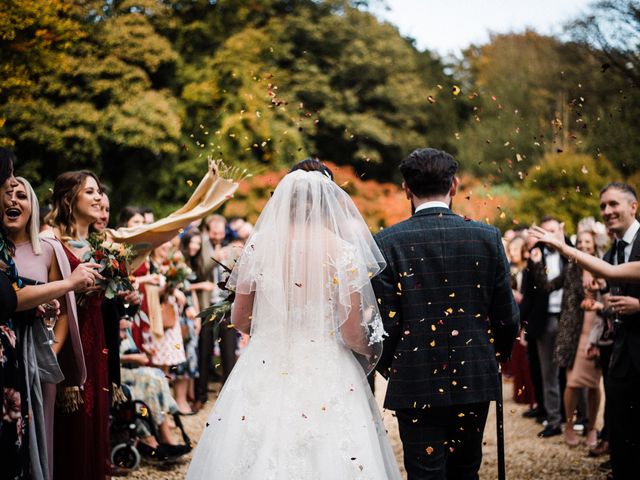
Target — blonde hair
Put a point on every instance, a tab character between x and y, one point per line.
33	228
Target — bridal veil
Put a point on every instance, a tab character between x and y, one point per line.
309	261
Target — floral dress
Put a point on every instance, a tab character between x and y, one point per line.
15	409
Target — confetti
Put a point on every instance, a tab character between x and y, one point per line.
429	450
454	333
455	90
392	314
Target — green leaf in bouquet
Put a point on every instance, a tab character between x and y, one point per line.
110	292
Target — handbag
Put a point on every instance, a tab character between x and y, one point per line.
169	315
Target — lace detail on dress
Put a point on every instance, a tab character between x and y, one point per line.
376	330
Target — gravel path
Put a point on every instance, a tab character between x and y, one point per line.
527	456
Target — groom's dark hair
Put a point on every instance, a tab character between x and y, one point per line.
428	172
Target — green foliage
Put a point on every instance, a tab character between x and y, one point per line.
143	91
566	186
33	36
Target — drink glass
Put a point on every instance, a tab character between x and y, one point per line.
616	290
49	319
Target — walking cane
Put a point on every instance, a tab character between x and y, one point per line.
500	428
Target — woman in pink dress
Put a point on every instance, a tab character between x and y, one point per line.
43	261
82	435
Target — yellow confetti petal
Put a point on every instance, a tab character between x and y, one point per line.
392	314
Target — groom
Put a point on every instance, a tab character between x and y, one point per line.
445	298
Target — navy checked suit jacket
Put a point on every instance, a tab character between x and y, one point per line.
446	302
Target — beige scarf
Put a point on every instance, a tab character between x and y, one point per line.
212	192
207	197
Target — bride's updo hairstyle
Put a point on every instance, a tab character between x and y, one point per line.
309	165
312	165
65	192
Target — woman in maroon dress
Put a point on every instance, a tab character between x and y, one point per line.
81	428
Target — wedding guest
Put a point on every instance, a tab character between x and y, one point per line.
110	317
81	448
148	215
541	310
523	389
150	385
170	354
579	305
42	261
130	217
16	297
213	241
620	266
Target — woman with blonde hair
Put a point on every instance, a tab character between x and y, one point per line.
42	261
17	296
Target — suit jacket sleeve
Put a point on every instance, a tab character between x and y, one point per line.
503	311
540	278
384	286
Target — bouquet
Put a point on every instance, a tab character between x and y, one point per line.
177	272
114	259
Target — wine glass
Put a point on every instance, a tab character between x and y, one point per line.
49	319
615	291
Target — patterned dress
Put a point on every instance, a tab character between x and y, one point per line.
14	446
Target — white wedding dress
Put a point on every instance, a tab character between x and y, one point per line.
297	404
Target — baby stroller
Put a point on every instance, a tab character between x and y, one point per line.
127	419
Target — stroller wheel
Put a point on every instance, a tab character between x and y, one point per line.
126	456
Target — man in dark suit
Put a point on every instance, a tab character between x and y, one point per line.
446	301
540	313
618	207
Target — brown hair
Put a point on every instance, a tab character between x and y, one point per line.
65	192
312	165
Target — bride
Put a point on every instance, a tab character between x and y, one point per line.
297	403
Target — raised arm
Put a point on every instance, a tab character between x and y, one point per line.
629	272
84	276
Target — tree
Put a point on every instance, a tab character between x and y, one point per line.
565	185
34	34
612	28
